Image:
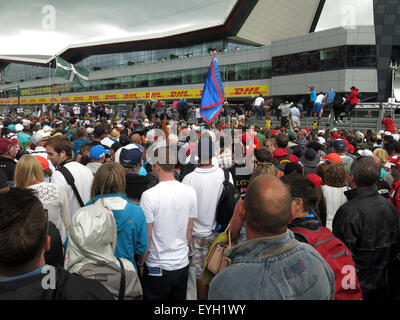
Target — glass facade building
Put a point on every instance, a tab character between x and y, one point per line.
22	72
337	58
229	73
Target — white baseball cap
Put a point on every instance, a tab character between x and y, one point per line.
39	135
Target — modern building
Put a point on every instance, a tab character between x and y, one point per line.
257	49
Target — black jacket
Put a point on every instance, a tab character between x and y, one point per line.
368	224
8	166
67	287
136	185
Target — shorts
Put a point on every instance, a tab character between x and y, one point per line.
200	247
242	117
317	107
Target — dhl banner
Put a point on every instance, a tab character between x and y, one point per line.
230	92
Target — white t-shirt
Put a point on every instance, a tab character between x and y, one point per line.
320	98
259	101
208	184
295	113
198	113
83	182
169	206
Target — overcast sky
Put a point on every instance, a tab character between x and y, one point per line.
48	26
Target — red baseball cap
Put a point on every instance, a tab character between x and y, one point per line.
43	162
316	179
5	144
332	157
336	135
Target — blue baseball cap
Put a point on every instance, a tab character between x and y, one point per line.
339	145
97	152
131	156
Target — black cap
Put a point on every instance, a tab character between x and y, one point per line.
99	131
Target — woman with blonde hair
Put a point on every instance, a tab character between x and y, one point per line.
108	188
29	173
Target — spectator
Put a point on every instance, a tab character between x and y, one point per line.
170	209
83	137
23	270
335	179
303	219
207	180
295	116
368	224
310	161
257	264
97	158
108	188
340	148
389	124
383	187
29	174
90	252
130	157
351	102
258	106
281	155
59	150
8	151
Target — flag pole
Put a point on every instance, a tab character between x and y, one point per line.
49	84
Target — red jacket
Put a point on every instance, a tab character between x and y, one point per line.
353	97
394	195
389	125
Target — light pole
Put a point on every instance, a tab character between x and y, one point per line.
395	68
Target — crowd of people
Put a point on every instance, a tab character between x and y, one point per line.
125	208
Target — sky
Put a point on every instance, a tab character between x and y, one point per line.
337	13
48	26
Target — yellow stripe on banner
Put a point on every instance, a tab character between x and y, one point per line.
231	92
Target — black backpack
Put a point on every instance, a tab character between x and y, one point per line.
226	203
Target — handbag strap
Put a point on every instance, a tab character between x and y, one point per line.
121	295
71	181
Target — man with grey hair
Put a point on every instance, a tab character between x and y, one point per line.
272	264
368	224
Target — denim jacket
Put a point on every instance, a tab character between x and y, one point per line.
274	268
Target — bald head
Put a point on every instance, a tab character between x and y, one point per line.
267	205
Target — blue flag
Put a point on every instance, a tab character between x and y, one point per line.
212	98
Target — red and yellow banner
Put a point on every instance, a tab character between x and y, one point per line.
230	92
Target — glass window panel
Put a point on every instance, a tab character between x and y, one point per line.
241	72
169	78
266	69
254	70
153	80
197	76
230	72
161	79
187	77
177	77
